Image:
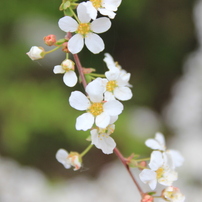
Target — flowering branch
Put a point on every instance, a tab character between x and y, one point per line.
102	98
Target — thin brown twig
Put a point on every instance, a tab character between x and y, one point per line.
124	161
80	70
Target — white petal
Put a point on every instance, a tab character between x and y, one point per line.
113	119
84	122
103	142
91	10
123	93
157	143
68	24
176	158
156	160
79	101
58	69
100	25
113	107
82	13
108	59
109	96
76	43
106	12
95	90
112	74
70	78
148	177
111	4
160	138
102	120
94	43
153	144
61	156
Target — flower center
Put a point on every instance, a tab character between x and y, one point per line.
111	85
96	109
84	28
160	172
96	3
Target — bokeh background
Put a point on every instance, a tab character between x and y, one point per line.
157	41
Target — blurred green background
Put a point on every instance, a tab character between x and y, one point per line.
148	38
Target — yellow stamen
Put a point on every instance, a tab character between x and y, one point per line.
96	109
84	28
111	85
160	172
96	3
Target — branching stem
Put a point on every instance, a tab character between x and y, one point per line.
117	152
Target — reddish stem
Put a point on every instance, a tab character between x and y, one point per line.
124	161
80	70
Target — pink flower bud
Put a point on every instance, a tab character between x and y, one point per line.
147	198
50	39
142	165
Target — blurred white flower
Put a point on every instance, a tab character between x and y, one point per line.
174	158
67	68
85	31
36	53
98	110
173	194
101	138
159	171
68	159
105	7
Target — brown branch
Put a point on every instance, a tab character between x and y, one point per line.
80	70
124	161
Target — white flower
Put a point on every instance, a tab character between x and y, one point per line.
67	68
36	53
117	86
173	194
84	31
158	143
101	139
99	111
105	7
68	160
117	81
159	171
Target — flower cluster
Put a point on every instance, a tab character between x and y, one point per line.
102	110
162	165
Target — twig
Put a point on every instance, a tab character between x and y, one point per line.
123	160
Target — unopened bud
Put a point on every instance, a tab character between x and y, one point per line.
50	39
147	198
88	70
142	165
36	53
68	64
